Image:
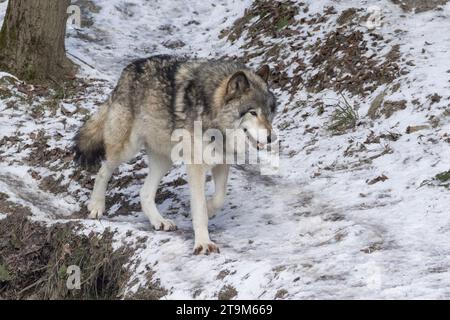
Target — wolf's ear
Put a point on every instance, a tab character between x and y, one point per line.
264	72
237	85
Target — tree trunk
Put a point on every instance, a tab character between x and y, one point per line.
32	40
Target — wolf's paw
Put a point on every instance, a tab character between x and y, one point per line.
96	208
164	225
206	248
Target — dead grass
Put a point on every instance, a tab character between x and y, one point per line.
34	260
227	293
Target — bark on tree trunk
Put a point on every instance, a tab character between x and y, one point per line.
32	40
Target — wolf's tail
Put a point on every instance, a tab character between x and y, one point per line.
89	144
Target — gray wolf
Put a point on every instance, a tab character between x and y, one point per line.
155	96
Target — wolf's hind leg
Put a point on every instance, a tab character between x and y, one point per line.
220	176
158	165
120	147
96	205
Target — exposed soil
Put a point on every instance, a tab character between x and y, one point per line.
386	109
339	58
227	293
419	5
345	65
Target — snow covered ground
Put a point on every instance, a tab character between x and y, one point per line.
327	226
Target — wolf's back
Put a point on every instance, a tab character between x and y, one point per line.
89	142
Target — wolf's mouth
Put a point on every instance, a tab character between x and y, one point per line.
252	141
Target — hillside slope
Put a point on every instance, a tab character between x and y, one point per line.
360	207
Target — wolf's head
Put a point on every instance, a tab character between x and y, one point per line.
248	98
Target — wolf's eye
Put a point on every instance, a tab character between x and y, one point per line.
253	113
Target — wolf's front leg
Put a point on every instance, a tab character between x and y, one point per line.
196	177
